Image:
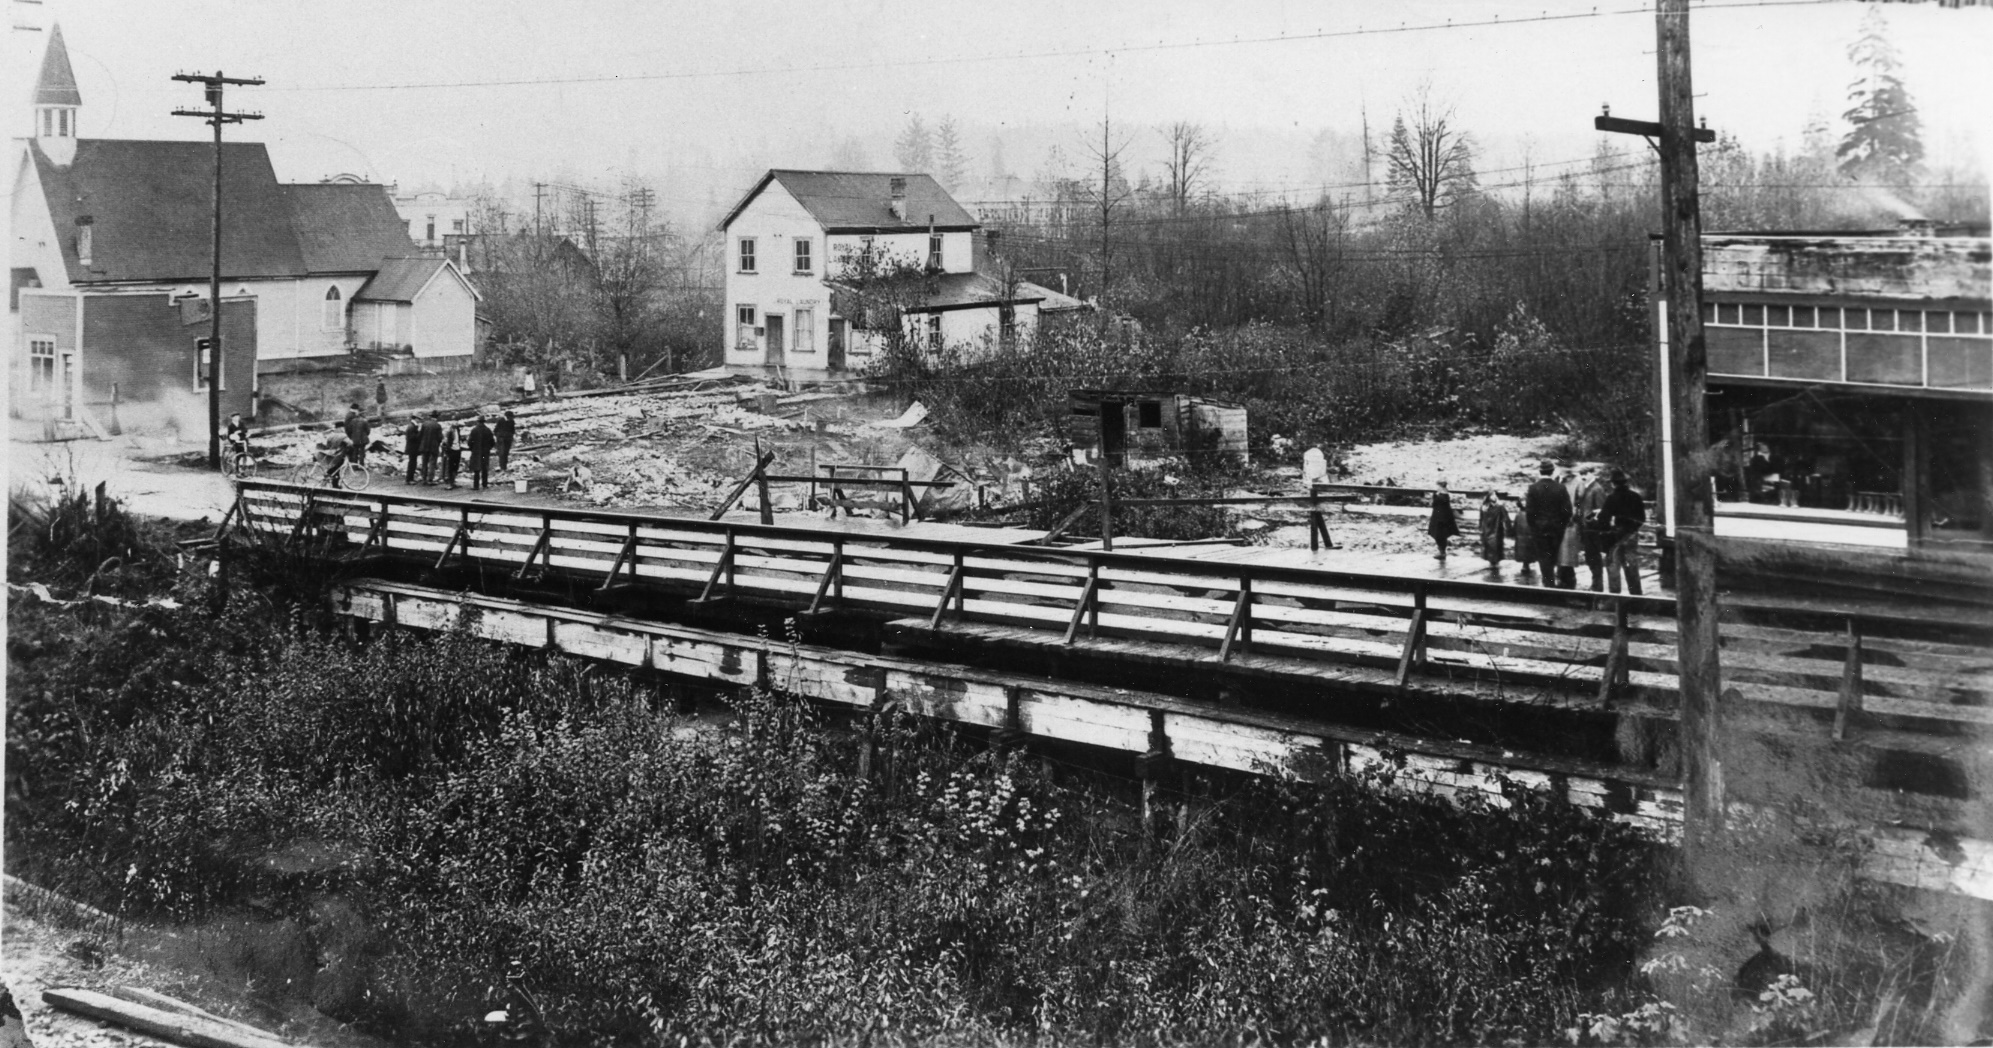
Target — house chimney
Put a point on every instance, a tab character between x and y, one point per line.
898	204
84	225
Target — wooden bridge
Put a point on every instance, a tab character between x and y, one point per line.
1868	715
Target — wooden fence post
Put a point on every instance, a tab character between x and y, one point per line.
1851	683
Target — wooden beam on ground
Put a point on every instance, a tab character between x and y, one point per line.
191	1030
1065	522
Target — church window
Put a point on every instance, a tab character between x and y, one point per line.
335	311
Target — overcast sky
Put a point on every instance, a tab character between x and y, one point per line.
694	96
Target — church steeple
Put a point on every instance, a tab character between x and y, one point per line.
57	102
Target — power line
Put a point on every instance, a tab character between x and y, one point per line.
1080	52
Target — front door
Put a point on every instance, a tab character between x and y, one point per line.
68	386
834	352
1113	433
776	343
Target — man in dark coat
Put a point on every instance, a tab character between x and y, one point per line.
453	453
1621	517
1548	507
504	432
358	429
481	442
411	445
432	446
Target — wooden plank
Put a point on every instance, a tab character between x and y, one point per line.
192	1030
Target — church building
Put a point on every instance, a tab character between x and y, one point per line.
110	262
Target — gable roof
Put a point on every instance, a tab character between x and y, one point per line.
346	227
402	279
57	86
859	201
151	206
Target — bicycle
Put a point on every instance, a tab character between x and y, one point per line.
349	475
238	464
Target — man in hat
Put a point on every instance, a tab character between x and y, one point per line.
358	430
1623	514
411	444
480	444
1548	508
432	446
503	433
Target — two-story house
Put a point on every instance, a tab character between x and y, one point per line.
801	239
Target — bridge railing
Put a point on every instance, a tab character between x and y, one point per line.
1589	647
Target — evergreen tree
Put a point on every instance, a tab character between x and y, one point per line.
1884	141
951	164
915	147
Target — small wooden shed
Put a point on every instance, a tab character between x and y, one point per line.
1132	427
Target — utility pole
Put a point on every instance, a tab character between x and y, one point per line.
216	116
1675	137
1688	355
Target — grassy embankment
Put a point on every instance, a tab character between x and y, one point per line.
477	811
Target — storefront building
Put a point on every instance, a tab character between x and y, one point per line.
1850	389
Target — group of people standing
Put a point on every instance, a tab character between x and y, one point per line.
1564	521
429	442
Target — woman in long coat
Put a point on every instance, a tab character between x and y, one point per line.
1441	525
1494	528
1571	545
1525	542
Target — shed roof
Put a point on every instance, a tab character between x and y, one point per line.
401	279
346	228
151	203
860	201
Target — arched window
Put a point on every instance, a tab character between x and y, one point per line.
335	312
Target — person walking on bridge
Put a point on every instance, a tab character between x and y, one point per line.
432	445
358	430
504	431
1622	517
453	452
1442	525
480	442
411	445
1548	507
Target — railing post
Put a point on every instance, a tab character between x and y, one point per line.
721	567
952	590
1415	636
1851	683
1088	601
1616	658
832	571
1241	624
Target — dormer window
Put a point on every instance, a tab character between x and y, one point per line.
934	251
335	309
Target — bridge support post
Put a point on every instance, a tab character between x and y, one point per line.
1851	683
1155	766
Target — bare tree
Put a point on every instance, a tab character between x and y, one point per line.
1317	243
1431	161
1188	165
1108	195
